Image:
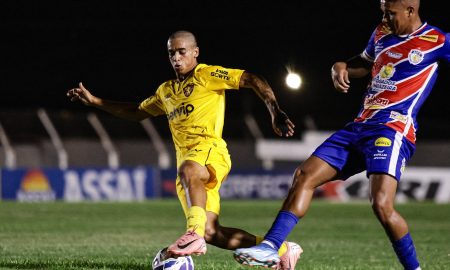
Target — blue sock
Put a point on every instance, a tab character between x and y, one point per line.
281	227
406	252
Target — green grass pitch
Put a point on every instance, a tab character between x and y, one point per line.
127	235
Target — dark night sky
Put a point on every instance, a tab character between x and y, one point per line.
118	49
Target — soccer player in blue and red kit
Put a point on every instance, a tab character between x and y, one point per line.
402	55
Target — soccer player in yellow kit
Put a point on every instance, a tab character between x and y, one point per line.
194	104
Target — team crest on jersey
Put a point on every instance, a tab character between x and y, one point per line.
387	71
415	57
188	89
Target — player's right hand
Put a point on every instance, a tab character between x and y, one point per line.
82	94
339	76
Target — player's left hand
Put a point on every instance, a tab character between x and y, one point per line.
282	126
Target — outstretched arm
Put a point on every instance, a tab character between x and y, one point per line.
280	121
126	110
355	67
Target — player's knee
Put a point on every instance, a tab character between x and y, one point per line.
301	178
382	208
298	173
192	175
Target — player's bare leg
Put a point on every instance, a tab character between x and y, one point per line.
307	177
382	196
226	237
313	173
193	176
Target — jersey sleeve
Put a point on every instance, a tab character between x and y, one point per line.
152	105
369	52
220	78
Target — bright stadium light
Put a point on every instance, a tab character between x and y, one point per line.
293	81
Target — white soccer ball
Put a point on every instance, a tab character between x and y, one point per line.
180	263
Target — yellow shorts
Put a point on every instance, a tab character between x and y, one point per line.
217	160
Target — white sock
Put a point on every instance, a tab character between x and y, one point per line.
267	242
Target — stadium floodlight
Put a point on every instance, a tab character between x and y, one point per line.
293	80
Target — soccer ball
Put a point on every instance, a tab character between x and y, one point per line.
180	263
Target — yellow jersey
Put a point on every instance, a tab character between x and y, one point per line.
195	107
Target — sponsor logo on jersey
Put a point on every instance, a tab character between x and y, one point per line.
188	89
372	102
221	74
381	82
185	110
387	71
380	85
430	38
415	57
398	116
394	55
383	142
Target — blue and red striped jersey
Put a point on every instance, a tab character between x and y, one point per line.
403	74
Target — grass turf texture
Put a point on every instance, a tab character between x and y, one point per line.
128	235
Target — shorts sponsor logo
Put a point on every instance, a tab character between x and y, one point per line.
383	142
402	168
379	156
415	57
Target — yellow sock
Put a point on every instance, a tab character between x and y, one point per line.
282	249
259	239
196	220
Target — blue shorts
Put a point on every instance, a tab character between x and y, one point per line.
375	148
